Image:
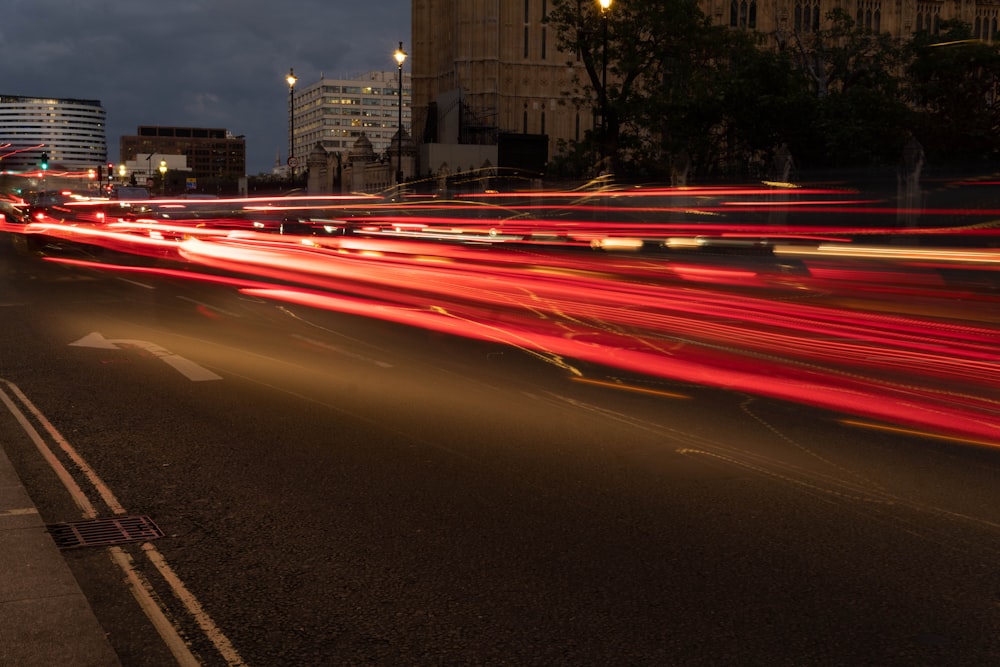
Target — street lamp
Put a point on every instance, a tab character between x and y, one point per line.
400	56
163	176
121	172
291	119
605	6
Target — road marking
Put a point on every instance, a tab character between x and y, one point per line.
140	587
22	511
79	497
137	283
185	367
341	351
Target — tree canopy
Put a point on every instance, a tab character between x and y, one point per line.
679	95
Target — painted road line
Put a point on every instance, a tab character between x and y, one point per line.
139	586
185	367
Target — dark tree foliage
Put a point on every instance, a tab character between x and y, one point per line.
765	104
642	36
684	97
952	84
860	117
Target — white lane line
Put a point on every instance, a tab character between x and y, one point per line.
341	351
189	369
139	585
137	283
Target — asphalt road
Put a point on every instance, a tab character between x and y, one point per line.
352	492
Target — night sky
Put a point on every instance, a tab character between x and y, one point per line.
198	63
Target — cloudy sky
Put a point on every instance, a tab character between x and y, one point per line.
198	63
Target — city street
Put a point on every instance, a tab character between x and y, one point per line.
336	489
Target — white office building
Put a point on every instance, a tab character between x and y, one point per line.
335	112
71	132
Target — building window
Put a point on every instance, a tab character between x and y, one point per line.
545	11
869	15
928	17
743	14
527	24
524	122
986	24
542	130
807	15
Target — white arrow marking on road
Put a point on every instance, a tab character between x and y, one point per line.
185	367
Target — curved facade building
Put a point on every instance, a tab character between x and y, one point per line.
71	132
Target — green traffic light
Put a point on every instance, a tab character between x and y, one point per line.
44	163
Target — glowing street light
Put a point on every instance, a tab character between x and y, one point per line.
291	119
163	176
400	56
605	6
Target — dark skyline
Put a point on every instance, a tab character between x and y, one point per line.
204	63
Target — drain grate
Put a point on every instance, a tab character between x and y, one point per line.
104	532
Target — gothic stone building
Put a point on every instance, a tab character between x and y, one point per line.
900	18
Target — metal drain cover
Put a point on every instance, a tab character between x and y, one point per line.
104	532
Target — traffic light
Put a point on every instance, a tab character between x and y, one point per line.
100	173
44	162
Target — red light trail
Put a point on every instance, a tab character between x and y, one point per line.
760	328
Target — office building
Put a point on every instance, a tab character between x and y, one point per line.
212	154
70	131
335	112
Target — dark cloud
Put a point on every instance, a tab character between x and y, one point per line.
216	63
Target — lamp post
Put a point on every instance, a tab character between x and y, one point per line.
122	172
400	56
605	5
163	176
291	119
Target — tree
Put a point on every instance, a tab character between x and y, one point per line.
641	35
860	117
952	84
761	98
